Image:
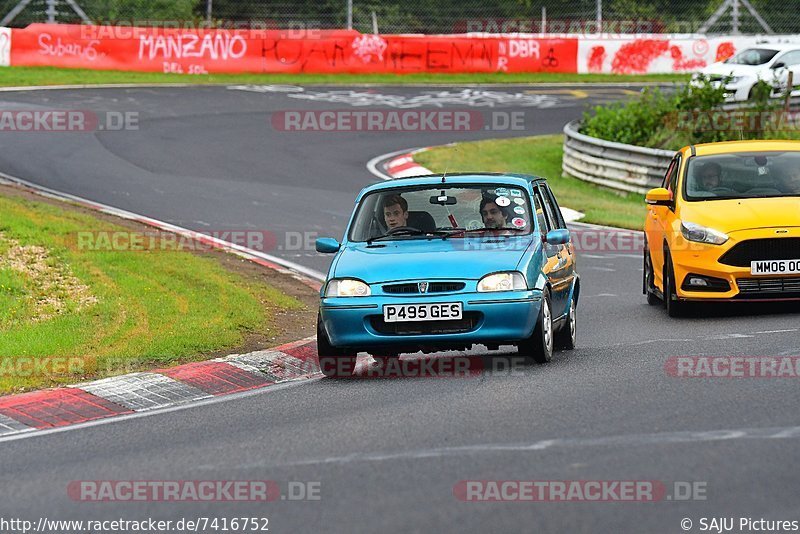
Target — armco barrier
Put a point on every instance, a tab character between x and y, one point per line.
619	166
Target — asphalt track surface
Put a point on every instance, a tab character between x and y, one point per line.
388	453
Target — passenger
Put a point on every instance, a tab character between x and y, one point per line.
395	212
493	215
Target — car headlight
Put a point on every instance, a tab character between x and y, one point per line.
502	282
701	234
736	79
347	287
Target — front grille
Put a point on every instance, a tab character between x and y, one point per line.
467	323
769	287
433	287
777	248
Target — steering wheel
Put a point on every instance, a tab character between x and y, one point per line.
403	229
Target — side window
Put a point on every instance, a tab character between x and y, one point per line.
790	59
665	181
671	179
541	215
551	200
552	220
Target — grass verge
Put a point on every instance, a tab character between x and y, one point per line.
69	314
539	155
26	76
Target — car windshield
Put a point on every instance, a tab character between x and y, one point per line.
752	56
446	211
743	175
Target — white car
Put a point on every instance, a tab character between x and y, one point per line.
768	62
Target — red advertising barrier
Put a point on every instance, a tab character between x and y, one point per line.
316	51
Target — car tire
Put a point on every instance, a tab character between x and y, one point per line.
648	275
539	346
675	308
567	335
333	362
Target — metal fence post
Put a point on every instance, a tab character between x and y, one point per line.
599	16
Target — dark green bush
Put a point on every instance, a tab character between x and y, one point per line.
674	120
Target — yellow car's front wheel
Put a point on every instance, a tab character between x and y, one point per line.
675	307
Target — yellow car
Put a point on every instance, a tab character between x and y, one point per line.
725	225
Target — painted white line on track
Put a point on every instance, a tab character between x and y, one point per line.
630	440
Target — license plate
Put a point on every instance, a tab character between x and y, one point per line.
446	311
775	267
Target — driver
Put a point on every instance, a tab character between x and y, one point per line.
493	215
395	212
710	176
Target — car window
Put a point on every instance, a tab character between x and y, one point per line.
551	200
752	56
550	221
790	58
743	175
442	207
541	218
665	181
671	178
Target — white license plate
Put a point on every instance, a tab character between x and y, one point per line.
444	311
775	267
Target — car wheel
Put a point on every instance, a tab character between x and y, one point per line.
333	362
539	347
567	335
649	279
675	308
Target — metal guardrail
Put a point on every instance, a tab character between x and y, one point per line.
619	166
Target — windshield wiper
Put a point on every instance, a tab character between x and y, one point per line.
482	230
405	232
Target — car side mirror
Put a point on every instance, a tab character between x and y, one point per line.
557	237
327	245
778	65
658	197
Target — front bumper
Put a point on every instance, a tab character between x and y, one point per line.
490	318
704	260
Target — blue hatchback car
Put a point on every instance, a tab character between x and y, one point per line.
434	263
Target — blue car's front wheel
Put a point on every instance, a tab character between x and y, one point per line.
333	362
539	347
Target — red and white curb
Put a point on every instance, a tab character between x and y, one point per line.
402	165
160	389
